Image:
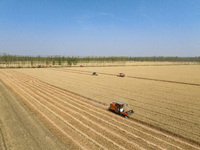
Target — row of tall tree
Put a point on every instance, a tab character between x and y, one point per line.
6	58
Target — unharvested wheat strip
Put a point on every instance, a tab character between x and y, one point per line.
105	86
118	92
166	135
61	118
154	145
71	70
130	98
165	115
143	78
41	113
74	71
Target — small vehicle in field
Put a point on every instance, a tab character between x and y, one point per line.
39	66
121	75
94	74
118	108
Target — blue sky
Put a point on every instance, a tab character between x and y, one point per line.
100	27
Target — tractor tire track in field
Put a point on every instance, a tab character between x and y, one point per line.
2	141
80	116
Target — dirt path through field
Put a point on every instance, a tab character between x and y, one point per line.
20	129
81	123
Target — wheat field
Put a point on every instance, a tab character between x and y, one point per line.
173	106
73	104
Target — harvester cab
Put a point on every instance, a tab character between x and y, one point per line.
118	108
121	75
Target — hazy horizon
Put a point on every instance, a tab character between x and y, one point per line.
100	28
1	54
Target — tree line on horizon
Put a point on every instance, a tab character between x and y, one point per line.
6	58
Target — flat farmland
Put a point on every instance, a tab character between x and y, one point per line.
168	72
72	101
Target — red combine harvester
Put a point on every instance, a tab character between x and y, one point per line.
121	75
118	108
